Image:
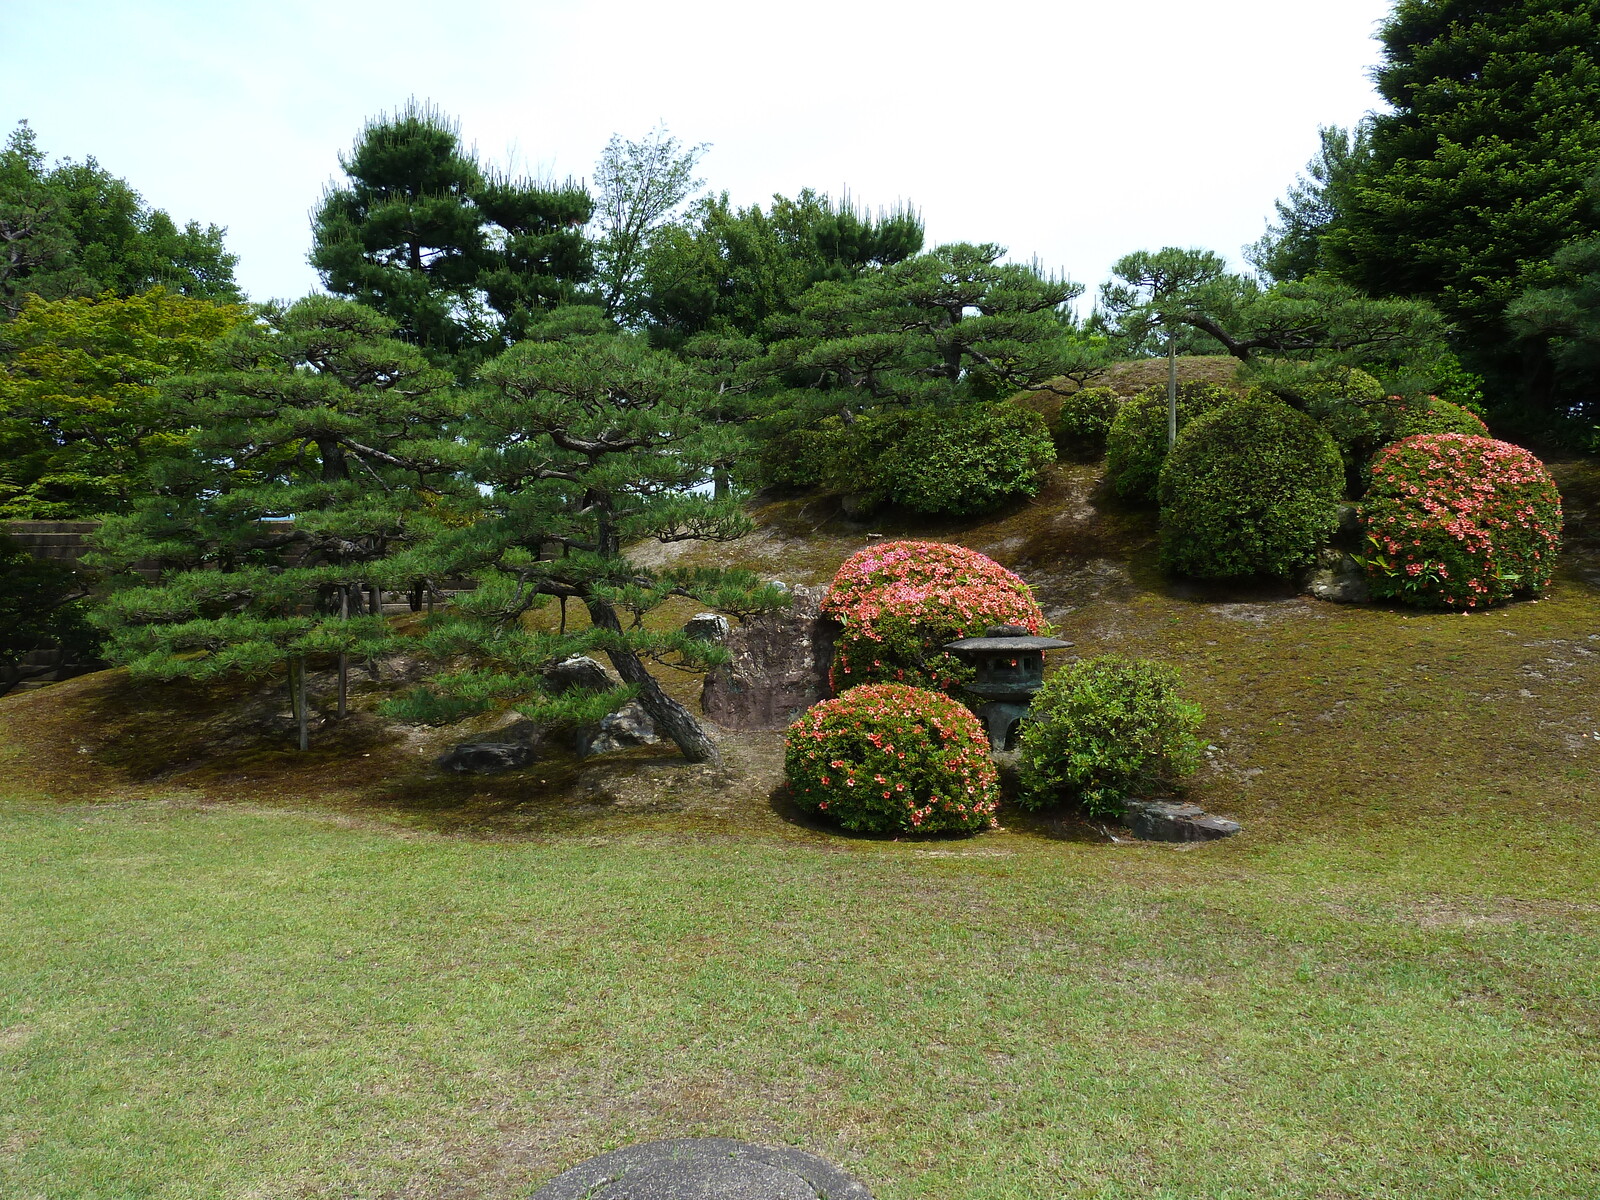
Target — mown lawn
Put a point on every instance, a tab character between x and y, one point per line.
215	1002
230	971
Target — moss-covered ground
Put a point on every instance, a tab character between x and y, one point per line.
228	970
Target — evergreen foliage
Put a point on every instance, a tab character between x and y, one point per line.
80	414
578	448
462	258
74	229
40	602
728	272
1103	731
1251	488
1084	422
314	463
1136	444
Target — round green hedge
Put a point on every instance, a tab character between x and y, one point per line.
965	460
1136	444
1252	488
1103	731
888	758
1084	422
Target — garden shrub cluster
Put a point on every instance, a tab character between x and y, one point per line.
899	602
1084	422
1362	417
888	758
1459	522
1251	488
1136	444
952	461
965	460
1106	730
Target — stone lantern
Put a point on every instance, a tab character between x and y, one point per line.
1009	665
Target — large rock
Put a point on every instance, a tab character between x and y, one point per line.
1169	821
579	672
488	758
707	627
629	726
1337	577
778	666
704	1169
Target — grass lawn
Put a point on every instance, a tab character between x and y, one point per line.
252	974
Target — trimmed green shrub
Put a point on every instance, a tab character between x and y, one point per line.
1084	421
887	758
1252	488
1136	445
1429	414
900	602
960	461
1362	418
1106	730
1459	522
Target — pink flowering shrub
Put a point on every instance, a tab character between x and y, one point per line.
901	601
887	758
1459	521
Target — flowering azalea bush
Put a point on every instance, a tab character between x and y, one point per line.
901	601
1459	521
888	758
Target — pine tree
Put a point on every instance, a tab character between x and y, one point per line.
461	258
580	448
314	466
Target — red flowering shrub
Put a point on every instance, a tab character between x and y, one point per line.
889	758
1459	521
901	601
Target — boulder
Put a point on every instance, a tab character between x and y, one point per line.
707	627
1169	821
629	726
777	666
1337	577
704	1169
488	758
579	671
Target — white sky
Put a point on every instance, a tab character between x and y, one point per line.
1064	129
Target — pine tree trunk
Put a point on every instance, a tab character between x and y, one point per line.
671	718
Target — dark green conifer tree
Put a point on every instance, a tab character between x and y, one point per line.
581	447
460	257
315	464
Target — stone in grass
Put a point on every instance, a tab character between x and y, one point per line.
1169	821
629	726
488	758
707	627
704	1169
1335	576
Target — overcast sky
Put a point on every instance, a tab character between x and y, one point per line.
1068	130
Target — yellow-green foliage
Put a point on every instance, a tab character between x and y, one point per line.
1137	443
80	414
1251	488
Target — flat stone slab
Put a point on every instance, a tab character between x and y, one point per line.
1168	821
704	1169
